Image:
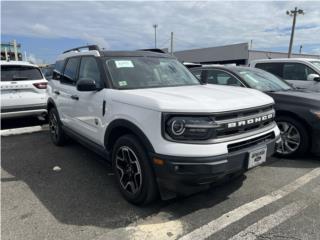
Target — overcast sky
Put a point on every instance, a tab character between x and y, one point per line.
47	28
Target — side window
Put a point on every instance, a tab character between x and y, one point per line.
89	70
296	71
222	78
70	71
58	68
197	74
274	68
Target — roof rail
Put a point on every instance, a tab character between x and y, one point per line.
152	50
87	47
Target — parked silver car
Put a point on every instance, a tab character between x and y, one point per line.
303	73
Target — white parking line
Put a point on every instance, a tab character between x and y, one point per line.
228	218
271	221
24	130
163	225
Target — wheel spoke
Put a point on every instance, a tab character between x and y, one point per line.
293	141
290	129
290	149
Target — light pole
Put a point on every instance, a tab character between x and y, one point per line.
293	13
155	35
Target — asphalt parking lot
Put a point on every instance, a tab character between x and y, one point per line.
51	192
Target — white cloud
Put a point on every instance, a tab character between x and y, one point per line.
128	25
40	30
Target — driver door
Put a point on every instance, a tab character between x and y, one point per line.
91	106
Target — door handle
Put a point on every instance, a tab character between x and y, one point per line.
103	107
56	92
74	97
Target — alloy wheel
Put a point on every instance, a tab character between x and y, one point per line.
129	170
291	138
53	126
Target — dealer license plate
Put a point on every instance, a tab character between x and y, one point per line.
257	157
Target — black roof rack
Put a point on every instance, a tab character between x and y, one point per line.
87	47
152	50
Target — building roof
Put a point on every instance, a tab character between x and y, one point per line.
212	54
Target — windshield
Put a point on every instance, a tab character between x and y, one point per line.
19	73
316	63
262	80
148	72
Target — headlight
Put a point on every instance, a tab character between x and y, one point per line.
317	113
189	127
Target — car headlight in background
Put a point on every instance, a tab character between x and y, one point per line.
317	113
189	127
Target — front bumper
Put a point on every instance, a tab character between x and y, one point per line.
33	110
186	175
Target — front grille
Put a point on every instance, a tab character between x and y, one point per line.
243	113
244	121
251	142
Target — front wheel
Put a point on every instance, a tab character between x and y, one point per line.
295	138
57	134
133	171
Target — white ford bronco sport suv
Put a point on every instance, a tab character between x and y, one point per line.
162	130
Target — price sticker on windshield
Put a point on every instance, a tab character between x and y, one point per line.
124	64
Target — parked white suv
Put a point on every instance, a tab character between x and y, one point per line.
162	130
23	90
303	73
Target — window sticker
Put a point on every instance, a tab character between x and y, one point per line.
124	64
250	77
123	83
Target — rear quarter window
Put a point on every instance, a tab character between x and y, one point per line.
19	73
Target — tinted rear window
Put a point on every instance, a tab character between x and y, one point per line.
274	68
20	73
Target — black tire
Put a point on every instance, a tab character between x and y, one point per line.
139	189
304	142
57	134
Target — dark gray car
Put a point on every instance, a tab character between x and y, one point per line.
298	112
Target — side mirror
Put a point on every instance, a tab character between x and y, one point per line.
86	85
313	77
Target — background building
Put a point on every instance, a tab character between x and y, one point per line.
236	53
9	50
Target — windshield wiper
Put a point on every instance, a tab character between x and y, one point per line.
271	91
20	78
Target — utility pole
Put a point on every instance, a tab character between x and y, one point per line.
155	35
293	13
171	44
300	51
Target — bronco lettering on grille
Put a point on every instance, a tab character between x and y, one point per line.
250	121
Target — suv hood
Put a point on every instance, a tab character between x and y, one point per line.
199	98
